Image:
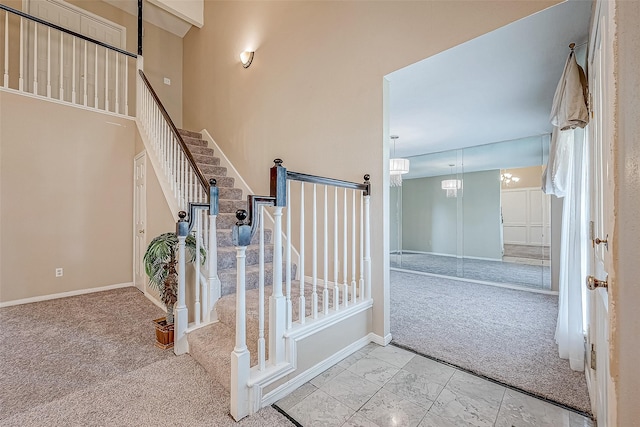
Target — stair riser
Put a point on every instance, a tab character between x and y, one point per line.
226	220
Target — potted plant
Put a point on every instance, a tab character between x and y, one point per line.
160	261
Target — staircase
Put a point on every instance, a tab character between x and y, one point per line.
212	345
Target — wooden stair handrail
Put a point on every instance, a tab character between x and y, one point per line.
175	132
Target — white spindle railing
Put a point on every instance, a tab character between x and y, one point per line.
51	63
286	315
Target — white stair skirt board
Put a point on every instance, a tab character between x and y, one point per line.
481	282
64	294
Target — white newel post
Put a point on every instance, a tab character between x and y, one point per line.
240	356
181	315
277	302
212	279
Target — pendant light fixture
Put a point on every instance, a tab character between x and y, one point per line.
397	166
451	186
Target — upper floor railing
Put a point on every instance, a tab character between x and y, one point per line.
47	60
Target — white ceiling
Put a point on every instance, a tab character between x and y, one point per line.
497	87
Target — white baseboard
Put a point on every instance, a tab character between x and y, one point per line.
64	294
445	255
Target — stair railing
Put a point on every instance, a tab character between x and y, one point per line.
194	200
46	60
313	306
201	223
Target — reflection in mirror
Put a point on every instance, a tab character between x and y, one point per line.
476	213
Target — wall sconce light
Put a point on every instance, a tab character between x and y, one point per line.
246	58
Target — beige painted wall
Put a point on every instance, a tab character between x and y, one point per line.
314	93
66	198
625	292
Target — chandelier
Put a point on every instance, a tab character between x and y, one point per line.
451	186
397	166
507	178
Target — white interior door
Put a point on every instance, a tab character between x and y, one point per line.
140	220
601	185
526	214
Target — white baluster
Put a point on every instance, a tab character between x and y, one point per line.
261	342
203	218
84	76
325	291
303	313
361	280
287	262
21	75
73	70
35	58
61	74
336	267
240	357
314	264
367	247
6	49
354	297
277	306
345	284
95	79
198	236
181	319
126	86
106	79
214	281
48	62
117	86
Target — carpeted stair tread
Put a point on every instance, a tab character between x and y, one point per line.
206	159
230	193
252	277
197	142
201	150
231	206
222	181
212	170
190	133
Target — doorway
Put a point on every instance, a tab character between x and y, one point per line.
140	220
478	122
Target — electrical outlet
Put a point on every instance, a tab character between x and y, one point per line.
167	81
59	272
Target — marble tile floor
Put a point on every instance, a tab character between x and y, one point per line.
388	386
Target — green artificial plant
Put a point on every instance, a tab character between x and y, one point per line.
160	261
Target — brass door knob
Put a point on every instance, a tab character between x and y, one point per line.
593	283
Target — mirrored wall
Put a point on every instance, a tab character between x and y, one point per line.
477	213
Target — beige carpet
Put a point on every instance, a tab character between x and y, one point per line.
503	334
90	360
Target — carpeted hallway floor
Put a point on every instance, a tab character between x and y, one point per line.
503	334
90	361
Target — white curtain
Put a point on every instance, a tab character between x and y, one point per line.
566	176
573	251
